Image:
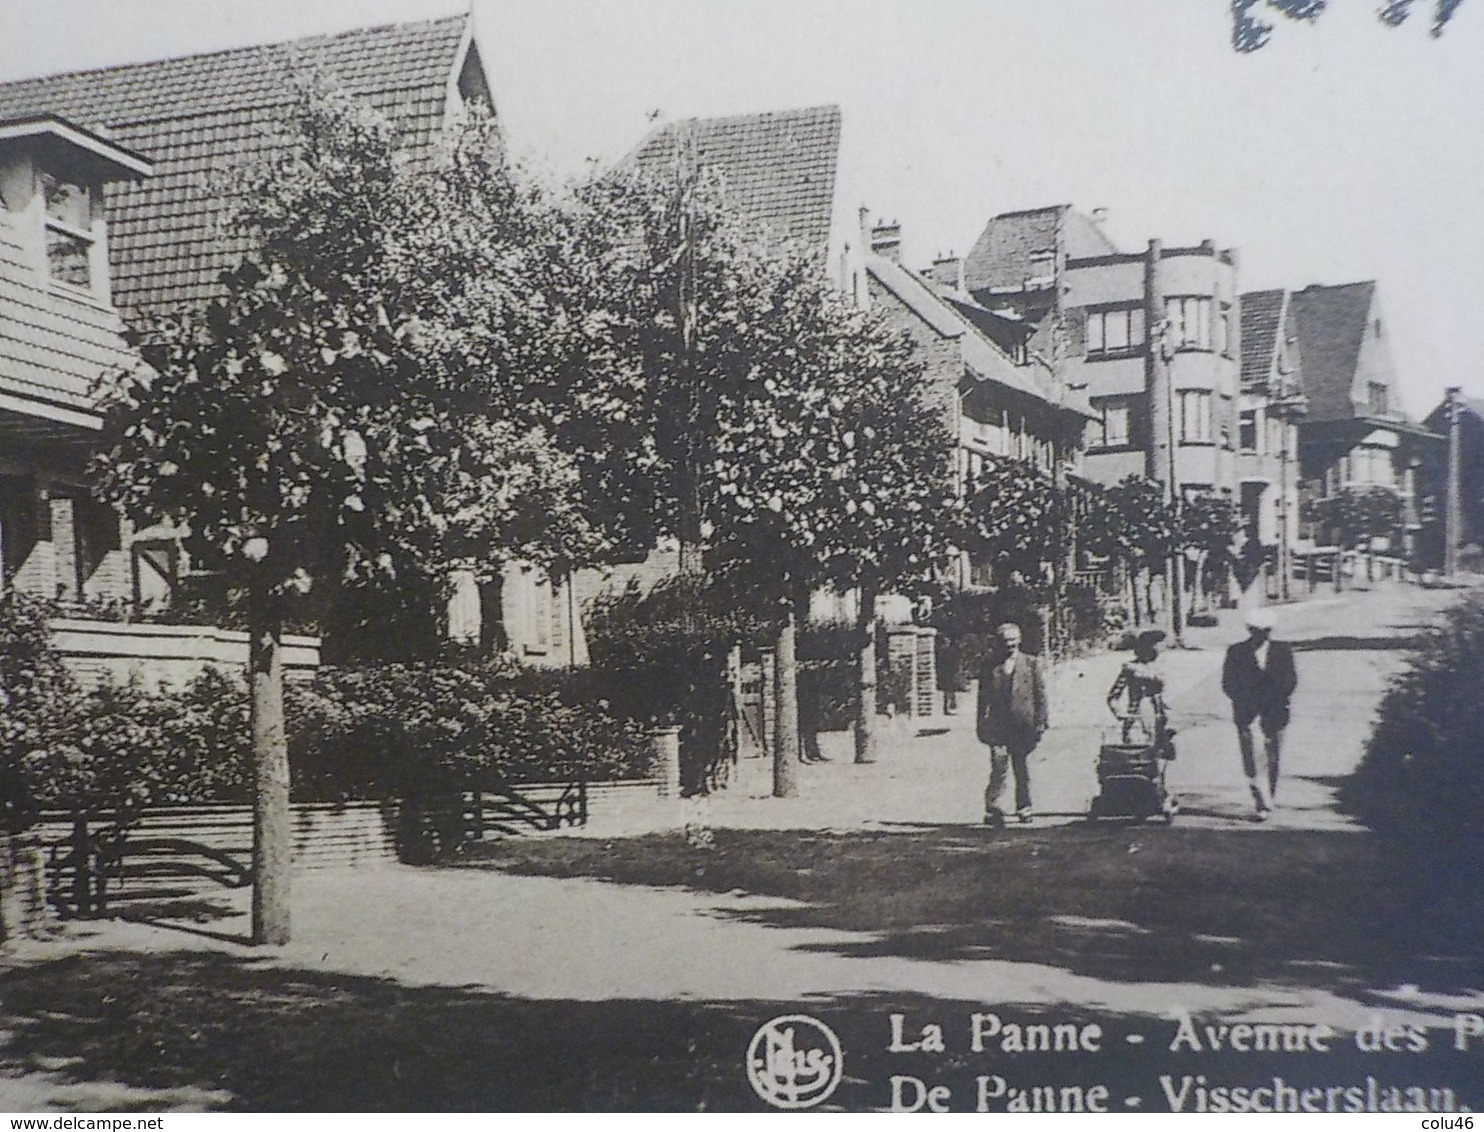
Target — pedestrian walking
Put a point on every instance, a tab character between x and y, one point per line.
1137	697
1259	678
1011	719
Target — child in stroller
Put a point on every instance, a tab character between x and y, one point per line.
1132	759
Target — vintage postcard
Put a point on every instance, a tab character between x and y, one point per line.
840	555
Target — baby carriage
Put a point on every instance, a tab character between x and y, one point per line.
1131	772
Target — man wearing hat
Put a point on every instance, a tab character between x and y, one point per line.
1259	678
1011	718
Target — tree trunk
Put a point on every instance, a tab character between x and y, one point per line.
786	735
272	849
865	686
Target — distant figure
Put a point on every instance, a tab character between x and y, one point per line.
1137	696
949	658
1011	719
1259	678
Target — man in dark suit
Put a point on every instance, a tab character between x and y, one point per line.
1011	718
1259	678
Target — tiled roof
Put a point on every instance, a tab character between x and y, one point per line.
53	346
777	169
1262	316
982	357
1001	257
1331	325
197	116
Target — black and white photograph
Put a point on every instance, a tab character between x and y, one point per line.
742	556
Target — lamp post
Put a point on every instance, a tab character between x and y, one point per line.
1163	464
1452	512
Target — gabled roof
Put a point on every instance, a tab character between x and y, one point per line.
196	116
1001	257
1331	326
52	347
777	169
1437	420
984	360
1262	329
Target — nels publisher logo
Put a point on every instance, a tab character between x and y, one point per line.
794	1061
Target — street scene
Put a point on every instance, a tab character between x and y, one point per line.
581	941
729	581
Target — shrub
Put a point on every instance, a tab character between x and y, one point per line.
120	746
1422	772
967	619
424	730
829	657
659	657
38	699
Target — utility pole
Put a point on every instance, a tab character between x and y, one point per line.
1162	452
1452	512
687	174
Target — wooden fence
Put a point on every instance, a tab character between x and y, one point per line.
173	853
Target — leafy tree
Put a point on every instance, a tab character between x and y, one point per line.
1134	524
1017	519
1249	32
1357	516
328	421
1207	528
836	468
777	424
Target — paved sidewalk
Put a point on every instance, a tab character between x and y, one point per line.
932	771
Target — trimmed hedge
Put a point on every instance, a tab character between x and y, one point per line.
357	733
419	730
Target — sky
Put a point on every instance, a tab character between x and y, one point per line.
1341	151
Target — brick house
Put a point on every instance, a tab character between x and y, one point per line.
1355	433
1093	311
59	332
996	408
190	120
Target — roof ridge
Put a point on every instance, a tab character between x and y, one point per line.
318	40
1031	211
752	117
1336	286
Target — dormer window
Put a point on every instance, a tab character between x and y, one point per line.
69	230
52	172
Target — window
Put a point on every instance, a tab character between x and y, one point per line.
1043	267
1247	430
1112	430
1224	334
1114	331
1379	398
1371	466
69	231
1195	416
1190	322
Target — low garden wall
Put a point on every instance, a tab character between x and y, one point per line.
97	651
195	852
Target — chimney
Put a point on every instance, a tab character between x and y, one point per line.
886	241
1100	216
947	271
